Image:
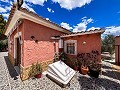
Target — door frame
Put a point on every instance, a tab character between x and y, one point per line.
15	45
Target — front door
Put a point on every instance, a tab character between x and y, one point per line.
18	61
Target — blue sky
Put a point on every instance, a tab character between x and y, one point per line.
75	15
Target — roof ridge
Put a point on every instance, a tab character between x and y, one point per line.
30	12
14	8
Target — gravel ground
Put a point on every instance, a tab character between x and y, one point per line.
9	80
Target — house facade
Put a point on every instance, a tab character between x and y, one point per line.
32	39
84	42
117	50
29	39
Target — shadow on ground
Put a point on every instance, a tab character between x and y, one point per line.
111	72
106	81
11	69
97	84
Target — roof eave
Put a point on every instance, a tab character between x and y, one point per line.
84	33
13	21
44	22
17	14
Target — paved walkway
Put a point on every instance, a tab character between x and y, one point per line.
9	79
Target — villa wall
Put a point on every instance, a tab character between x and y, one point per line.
33	52
44	49
93	42
11	45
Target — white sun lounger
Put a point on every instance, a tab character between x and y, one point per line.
60	73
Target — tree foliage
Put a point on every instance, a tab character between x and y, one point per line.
2	24
108	44
3	45
3	38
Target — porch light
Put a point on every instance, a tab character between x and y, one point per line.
54	42
84	43
10	42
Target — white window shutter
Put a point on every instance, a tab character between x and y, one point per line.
60	43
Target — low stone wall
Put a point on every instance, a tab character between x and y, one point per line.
24	71
11	58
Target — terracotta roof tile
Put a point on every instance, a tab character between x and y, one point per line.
11	15
14	7
39	17
84	32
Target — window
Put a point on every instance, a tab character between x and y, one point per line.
70	47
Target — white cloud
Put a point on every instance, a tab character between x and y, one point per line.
115	30
8	8
87	21
36	2
80	27
50	10
71	4
47	19
66	25
28	7
5	15
93	28
83	25
15	0
5	8
2	10
11	3
5	1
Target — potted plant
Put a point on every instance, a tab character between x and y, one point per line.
56	57
38	70
35	71
32	71
84	67
94	69
82	62
63	57
75	64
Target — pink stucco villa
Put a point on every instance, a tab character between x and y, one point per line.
33	39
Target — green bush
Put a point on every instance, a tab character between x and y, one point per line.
35	69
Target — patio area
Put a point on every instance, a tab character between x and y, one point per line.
10	80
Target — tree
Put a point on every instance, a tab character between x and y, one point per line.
3	44
2	24
2	27
3	38
108	44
